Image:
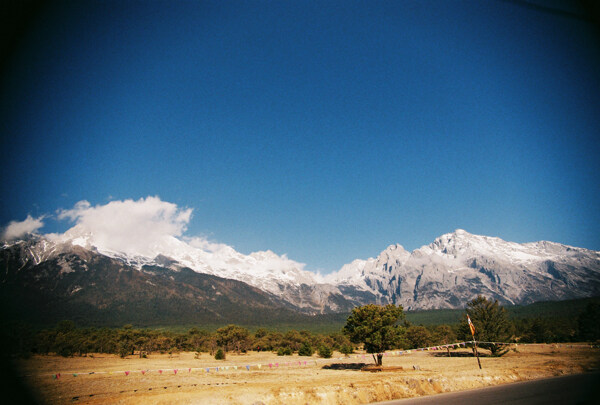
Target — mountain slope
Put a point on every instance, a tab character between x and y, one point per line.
458	266
265	270
75	283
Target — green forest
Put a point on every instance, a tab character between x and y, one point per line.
547	322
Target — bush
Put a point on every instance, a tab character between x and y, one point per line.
220	355
284	351
346	349
325	352
306	350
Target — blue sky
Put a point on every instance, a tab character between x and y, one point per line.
324	130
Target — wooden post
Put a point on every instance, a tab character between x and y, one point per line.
472	327
476	353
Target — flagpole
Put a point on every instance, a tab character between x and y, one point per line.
472	327
476	352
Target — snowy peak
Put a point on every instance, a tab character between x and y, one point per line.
395	253
458	266
461	244
265	270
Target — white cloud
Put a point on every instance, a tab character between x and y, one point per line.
149	226
132	227
16	229
202	243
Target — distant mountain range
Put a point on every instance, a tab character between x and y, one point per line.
69	276
458	266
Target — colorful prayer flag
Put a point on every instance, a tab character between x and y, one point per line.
471	326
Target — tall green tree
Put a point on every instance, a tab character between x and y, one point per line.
377	327
490	321
418	336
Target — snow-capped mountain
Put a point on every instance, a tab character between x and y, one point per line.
453	269
43	286
458	266
265	270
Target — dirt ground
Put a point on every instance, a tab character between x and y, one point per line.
288	383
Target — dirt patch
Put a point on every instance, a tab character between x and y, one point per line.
289	380
377	369
345	366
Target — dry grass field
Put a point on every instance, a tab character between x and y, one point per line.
287	384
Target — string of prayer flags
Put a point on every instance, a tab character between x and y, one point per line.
293	363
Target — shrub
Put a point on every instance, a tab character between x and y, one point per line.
284	351
220	355
346	349
325	351
306	350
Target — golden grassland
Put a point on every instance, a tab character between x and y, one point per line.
288	384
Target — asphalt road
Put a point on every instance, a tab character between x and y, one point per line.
578	389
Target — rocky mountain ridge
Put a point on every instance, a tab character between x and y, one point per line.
447	273
457	266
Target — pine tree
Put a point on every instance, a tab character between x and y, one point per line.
376	327
490	321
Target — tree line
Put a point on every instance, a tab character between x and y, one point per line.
373	328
